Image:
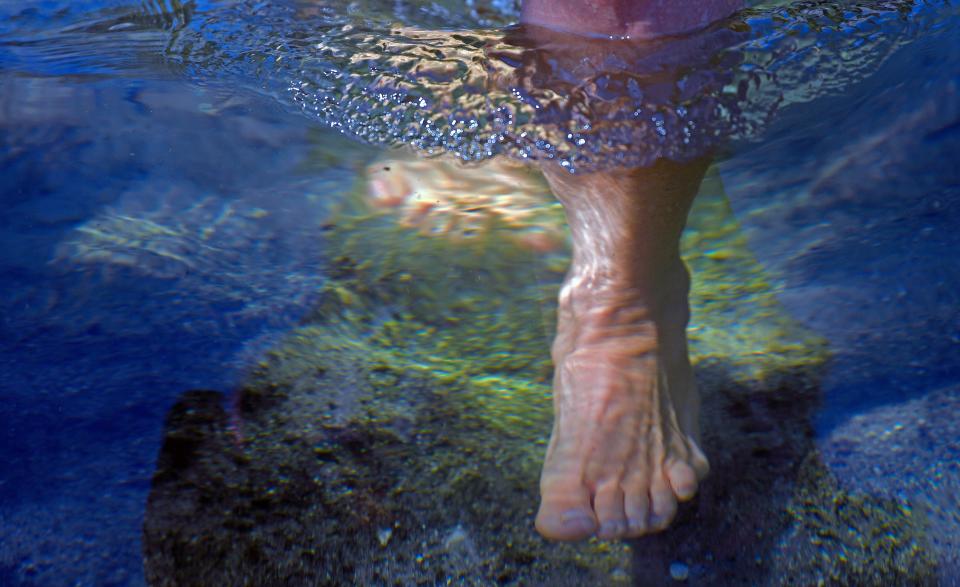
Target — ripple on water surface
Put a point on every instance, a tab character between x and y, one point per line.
442	78
455	84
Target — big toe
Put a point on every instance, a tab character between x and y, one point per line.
568	518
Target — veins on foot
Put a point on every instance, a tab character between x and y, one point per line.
619	457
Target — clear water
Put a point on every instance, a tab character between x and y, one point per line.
167	170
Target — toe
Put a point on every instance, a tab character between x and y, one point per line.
699	461
387	190
566	516
608	505
683	480
569	525
637	510
663	505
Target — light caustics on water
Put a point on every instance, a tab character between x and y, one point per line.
458	77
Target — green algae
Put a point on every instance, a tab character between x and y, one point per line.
853	538
735	316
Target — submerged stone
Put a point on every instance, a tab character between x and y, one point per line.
679	572
395	437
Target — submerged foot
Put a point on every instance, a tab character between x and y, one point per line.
624	448
624	445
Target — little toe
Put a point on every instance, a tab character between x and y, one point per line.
608	505
683	480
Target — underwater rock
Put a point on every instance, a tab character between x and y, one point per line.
770	513
248	262
395	437
849	538
907	451
354	440
679	571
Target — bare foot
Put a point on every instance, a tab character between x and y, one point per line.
624	446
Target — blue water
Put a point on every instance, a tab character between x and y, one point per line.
94	353
851	199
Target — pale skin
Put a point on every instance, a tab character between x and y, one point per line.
625	447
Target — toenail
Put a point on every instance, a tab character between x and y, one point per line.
636	525
577	519
611	529
657	521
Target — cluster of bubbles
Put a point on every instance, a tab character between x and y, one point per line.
446	76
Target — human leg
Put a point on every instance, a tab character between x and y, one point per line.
635	19
624	447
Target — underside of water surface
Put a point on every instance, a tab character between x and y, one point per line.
469	81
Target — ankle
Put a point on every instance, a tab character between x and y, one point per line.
653	286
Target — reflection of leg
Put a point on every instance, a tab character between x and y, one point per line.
624	445
443	197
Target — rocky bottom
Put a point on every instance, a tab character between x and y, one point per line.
395	438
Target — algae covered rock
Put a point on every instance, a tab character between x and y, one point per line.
853	538
350	466
395	437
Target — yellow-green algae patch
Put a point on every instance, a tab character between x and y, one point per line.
853	538
735	316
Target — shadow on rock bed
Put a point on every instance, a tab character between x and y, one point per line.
395	437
